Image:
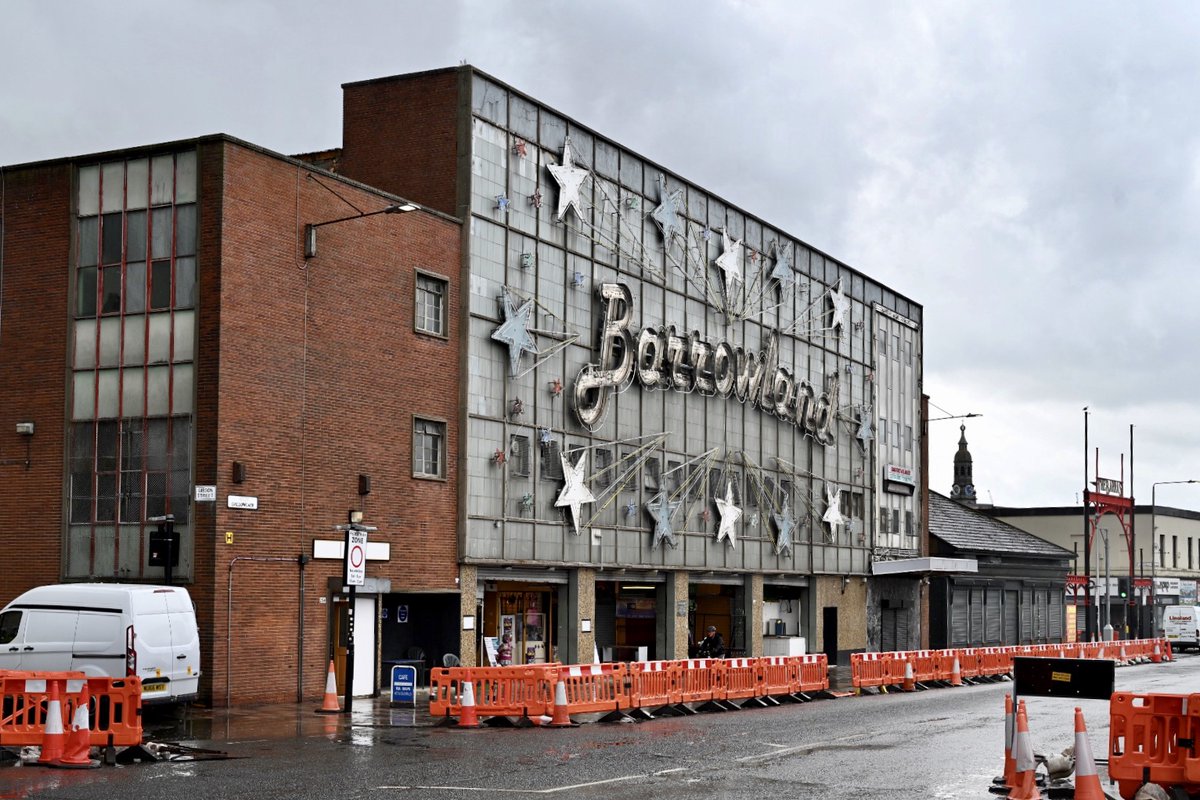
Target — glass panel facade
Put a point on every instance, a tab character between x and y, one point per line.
132	389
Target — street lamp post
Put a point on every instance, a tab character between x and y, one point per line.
1155	553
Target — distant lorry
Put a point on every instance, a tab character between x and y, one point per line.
1181	626
112	629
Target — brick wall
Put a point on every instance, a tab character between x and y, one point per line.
320	373
400	135
35	224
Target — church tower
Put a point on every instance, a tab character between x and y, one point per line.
963	489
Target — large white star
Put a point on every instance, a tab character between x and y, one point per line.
785	522
730	261
666	215
574	494
570	179
833	510
661	509
729	515
782	271
841	306
514	332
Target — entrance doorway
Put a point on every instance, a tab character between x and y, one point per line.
829	634
364	643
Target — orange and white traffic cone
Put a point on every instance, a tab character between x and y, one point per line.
910	683
1007	779
54	739
562	716
1025	787
1168	653
956	673
467	717
330	704
1087	780
78	749
1157	657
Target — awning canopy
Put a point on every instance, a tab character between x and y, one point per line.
903	566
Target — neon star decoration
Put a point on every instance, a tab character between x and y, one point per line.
666	214
514	332
570	180
782	271
574	494
730	261
841	306
785	523
833	510
730	514
865	433
661	509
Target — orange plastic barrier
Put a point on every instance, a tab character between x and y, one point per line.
701	680
1144	741
114	707
595	687
654	684
923	664
743	679
869	669
814	672
780	675
519	691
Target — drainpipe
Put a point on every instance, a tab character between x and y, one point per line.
302	560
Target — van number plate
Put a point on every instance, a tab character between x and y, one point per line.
156	686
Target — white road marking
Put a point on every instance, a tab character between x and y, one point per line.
552	790
800	748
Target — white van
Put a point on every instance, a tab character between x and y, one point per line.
1181	626
113	629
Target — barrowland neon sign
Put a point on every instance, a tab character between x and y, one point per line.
660	358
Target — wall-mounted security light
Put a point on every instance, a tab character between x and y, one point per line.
25	428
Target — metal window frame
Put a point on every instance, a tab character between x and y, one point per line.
420	306
437	433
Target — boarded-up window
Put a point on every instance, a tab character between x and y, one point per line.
1011	608
1056	616
992	614
1026	616
977	616
551	463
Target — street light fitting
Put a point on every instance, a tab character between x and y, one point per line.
954	416
310	229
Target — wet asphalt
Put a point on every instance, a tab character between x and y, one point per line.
941	743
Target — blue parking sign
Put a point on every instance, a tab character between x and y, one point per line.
404	685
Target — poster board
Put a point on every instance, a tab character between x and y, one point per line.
489	645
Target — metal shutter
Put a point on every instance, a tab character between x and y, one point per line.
1011	608
887	630
902	641
976	616
992	612
1056	615
1026	634
958	618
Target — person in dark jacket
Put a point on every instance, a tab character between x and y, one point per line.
712	645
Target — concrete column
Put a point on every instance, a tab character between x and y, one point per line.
581	604
753	597
468	582
673	630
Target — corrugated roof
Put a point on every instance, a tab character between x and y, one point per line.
966	529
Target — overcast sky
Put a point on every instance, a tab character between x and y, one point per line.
1028	172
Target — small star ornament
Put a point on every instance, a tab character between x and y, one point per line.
865	434
570	180
574	494
514	332
661	509
841	306
785	523
730	261
730	514
666	214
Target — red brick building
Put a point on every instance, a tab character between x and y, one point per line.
165	332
